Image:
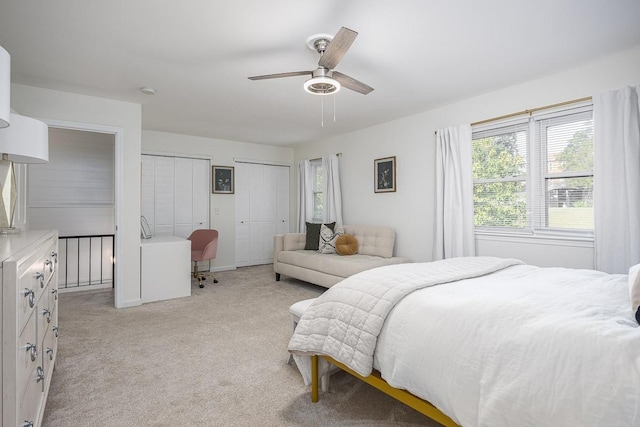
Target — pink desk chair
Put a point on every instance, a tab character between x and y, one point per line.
204	246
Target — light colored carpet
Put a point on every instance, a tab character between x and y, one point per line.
217	358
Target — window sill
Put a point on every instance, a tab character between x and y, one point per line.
555	239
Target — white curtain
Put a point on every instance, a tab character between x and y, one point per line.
331	190
454	233
616	125
305	195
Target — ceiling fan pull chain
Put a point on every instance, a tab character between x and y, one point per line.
334	108
322	111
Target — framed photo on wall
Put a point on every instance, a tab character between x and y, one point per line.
384	171
222	177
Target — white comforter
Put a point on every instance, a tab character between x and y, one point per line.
344	322
523	346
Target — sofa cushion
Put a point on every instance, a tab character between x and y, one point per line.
346	245
335	264
327	241
293	241
373	240
313	235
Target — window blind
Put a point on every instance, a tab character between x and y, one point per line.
564	192
500	159
534	174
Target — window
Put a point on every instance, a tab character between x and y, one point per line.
535	175
318	195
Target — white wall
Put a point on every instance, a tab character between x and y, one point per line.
222	153
410	210
66	107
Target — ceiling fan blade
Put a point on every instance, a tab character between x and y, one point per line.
279	75
337	48
351	83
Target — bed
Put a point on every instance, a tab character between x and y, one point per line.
484	341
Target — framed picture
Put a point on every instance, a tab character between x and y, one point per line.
222	177
384	171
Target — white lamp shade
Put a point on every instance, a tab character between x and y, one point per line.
26	140
5	88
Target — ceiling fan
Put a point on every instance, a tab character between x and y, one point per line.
324	80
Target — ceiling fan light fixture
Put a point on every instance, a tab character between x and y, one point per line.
322	85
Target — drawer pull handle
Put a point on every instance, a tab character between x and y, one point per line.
30	295
39	374
55	331
49	263
26	423
33	349
40	277
47	314
55	293
54	255
50	353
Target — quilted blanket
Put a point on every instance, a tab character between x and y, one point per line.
345	321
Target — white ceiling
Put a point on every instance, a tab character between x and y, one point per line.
197	54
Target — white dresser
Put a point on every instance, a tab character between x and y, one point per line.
28	262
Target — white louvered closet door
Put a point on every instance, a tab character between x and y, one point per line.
243	210
262	210
282	205
164	192
257	199
175	194
147	187
201	170
183	200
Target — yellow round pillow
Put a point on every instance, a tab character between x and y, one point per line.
346	244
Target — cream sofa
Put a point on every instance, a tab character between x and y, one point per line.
375	249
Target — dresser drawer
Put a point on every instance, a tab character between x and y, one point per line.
49	352
33	278
27	300
45	320
31	401
29	354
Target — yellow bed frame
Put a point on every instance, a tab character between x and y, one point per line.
376	380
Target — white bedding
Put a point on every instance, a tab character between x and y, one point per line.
345	322
523	346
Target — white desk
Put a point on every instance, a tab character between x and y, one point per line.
165	268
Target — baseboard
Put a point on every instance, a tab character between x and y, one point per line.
222	268
130	303
85	288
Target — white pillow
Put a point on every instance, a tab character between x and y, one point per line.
634	290
327	242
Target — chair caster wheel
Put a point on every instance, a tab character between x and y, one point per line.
201	286
215	280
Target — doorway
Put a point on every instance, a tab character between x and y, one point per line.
78	193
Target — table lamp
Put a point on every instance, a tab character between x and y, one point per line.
5	88
25	141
